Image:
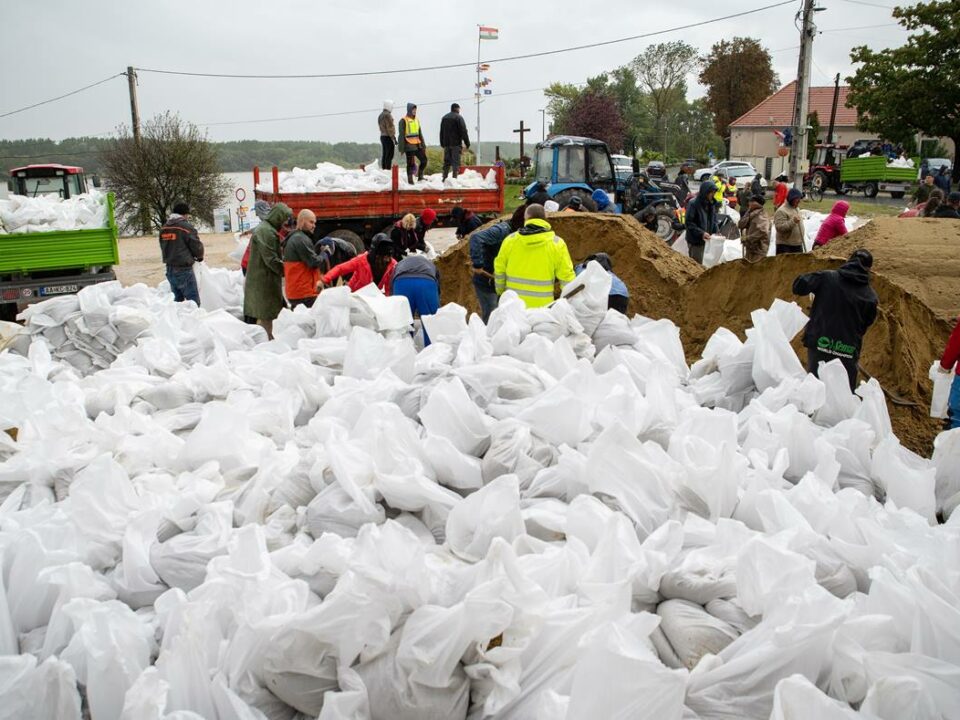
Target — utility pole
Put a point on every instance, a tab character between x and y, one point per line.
522	130
134	106
798	155
543	124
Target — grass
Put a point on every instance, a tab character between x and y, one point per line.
857	207
512	199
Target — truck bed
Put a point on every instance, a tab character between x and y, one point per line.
61	249
392	203
875	169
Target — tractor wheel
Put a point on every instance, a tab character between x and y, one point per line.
820	180
564	197
351	237
871	190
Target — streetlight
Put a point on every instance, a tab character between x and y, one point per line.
543	124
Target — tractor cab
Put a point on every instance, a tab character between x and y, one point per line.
62	181
824	171
569	166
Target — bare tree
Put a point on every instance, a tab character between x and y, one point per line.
661	71
173	161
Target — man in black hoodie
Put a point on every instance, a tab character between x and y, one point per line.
180	247
453	138
844	306
701	219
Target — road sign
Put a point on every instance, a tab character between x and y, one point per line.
241	194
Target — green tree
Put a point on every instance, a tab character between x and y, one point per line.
694	135
661	71
899	92
173	161
560	98
738	75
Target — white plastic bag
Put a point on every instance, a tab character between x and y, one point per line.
939	399
693	632
491	512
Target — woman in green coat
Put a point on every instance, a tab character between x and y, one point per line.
263	288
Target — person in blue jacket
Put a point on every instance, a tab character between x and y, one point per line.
602	200
484	246
619	295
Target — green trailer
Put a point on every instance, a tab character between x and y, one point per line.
36	266
873	175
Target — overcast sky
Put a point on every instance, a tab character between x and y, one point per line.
56	46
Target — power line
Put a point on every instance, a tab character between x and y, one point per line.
61	97
868	4
471	63
861	27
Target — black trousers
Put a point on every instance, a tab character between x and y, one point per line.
386	157
302	301
416	160
451	160
784	249
815	357
696	252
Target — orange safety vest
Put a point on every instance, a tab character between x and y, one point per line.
412	130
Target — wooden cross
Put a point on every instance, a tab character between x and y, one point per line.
521	130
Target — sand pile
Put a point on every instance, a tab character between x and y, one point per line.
651	271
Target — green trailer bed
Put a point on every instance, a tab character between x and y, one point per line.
875	169
61	249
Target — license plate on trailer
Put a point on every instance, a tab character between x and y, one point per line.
58	289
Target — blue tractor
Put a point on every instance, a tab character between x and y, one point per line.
569	167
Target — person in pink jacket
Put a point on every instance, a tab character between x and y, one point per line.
834	226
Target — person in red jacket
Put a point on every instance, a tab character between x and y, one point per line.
781	188
374	266
834	226
948	363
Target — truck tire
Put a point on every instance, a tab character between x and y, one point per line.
564	197
665	219
897	194
871	189
820	180
351	237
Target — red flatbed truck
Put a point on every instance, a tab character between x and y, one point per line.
357	216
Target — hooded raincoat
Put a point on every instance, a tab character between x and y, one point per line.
701	215
263	287
530	263
834	226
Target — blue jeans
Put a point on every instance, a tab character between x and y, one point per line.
423	295
184	284
488	299
953	405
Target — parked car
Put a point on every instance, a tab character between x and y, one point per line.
745	175
936	163
656	170
622	167
704	173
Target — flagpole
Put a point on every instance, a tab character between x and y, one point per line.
477	93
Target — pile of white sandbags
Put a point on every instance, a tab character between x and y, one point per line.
329	177
550	516
46	213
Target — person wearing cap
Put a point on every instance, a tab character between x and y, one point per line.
263	285
602	200
484	247
789	224
180	248
755	230
532	260
467	221
619	297
412	143
950	209
374	266
835	225
388	135
301	263
844	307
575	204
781	188
453	138
426	221
417	279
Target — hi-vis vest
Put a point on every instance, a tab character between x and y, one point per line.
531	264
721	189
412	130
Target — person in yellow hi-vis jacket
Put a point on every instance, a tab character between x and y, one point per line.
532	260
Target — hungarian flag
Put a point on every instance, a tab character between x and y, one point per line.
489	33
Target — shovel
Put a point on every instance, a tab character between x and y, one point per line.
893	397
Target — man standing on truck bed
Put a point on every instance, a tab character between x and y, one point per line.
388	135
180	248
263	287
453	133
412	143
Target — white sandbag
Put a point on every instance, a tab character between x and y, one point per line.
939	398
908	479
47	691
333	510
491	512
774	360
449	413
797	697
369	354
946	460
698	585
181	561
899	698
693	632
768	575
300	669
590	303
514	450
731	613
